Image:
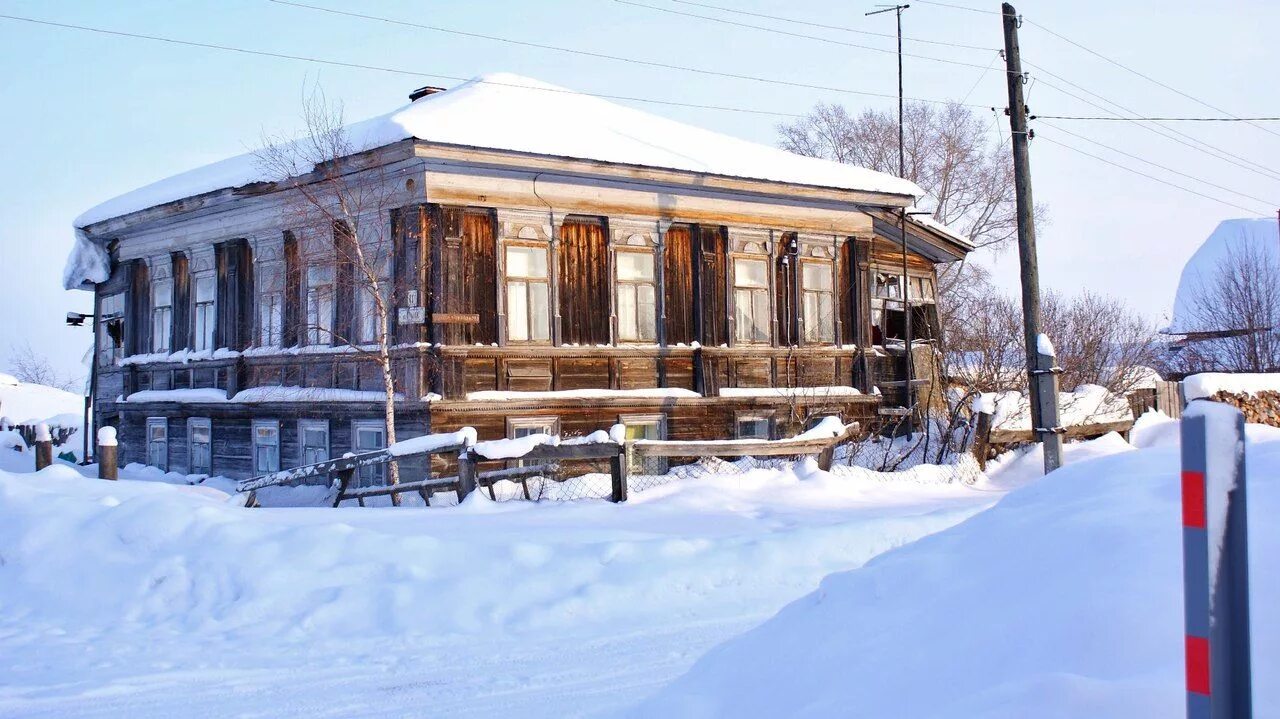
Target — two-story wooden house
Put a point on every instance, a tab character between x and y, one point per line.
565	264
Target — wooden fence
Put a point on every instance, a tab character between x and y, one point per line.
547	459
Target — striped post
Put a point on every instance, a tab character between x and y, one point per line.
1216	601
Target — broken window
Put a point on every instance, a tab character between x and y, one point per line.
111	328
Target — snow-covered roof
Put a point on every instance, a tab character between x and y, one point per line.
1230	236
509	112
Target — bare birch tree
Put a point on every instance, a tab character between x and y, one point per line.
335	191
1240	298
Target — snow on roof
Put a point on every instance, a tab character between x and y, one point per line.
1207	384
1228	237
509	112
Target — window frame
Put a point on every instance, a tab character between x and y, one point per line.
162	315
373	475
111	349
882	303
508	279
162	423
366	322
192	424
769	417
550	422
313	424
635	286
655	465
314	300
271	309
254	426
204	313
807	324
766	291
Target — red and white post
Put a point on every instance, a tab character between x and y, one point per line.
1215	562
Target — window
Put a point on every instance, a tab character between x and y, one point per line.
528	294
368	435
200	443
751	300
817	301
637	309
270	319
518	427
366	300
161	315
206	311
754	425
158	442
111	328
266	446
887	317
319	305
645	426
313	437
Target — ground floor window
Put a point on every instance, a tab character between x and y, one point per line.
753	425
200	445
645	426
266	446
313	438
368	435
518	427
158	442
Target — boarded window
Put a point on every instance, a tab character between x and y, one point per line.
181	302
677	291
712	282
289	333
470	277
528	294
637	293
584	283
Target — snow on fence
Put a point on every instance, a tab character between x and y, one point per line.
540	457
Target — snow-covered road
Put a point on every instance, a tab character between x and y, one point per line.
144	599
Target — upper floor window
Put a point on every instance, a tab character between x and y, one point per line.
528	294
637	308
367	315
319	304
270	319
161	315
817	301
206	311
111	328
751	300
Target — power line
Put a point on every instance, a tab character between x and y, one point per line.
1159	166
999	54
776	31
1040	136
959	7
598	55
1158	119
1148	78
830	27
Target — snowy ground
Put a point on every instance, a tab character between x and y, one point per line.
147	599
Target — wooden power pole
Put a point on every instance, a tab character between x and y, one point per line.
1042	374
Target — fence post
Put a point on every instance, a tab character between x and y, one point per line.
44	447
107	453
1215	563
982	439
466	474
618	468
341	480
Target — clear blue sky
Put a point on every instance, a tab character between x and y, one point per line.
87	116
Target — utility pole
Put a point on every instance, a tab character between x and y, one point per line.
904	289
1041	373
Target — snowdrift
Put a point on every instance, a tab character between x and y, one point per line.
1064	600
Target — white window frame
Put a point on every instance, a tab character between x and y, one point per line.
162	315
270	319
635	322
652	465
258	445
192	424
161	423
366	307
373	475
753	295
739	418
518	285
205	311
548	424
818	329
305	425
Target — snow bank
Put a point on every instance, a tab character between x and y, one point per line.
1087	404
25	403
1064	600
509	112
1207	384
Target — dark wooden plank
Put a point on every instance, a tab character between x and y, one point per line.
291	329
713	285
181	303
678	289
584	282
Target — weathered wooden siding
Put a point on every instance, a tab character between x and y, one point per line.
584	282
712	277
678	288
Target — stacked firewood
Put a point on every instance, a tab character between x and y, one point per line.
1259	408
